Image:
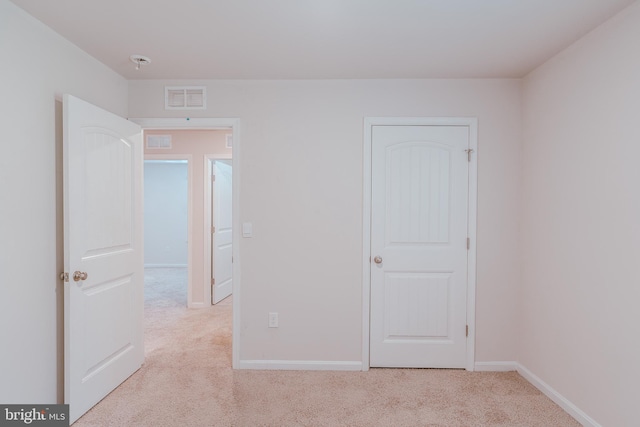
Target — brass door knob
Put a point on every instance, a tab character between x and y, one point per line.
79	275
378	260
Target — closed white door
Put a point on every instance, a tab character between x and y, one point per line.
103	298
223	231
419	246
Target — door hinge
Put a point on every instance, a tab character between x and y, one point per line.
213	230
64	277
469	151
467	331
213	281
213	178
468	243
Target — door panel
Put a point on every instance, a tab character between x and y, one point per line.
103	238
222	238
419	232
417	193
416	305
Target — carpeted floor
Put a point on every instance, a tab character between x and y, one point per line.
187	380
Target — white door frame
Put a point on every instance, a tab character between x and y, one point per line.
369	122
208	239
189	160
216	123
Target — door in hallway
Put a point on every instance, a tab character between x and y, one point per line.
222	251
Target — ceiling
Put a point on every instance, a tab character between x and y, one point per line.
323	39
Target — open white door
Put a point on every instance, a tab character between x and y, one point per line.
103	297
221	270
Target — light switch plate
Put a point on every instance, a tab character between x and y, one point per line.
247	229
273	320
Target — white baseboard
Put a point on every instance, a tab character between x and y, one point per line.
495	366
198	305
165	266
560	400
301	365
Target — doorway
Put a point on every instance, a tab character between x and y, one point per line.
197	147
419	242
232	126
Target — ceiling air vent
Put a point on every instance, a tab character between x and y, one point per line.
185	98
158	141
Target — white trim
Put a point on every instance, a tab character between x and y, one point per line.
366	243
472	232
208	265
472	123
496	366
218	123
189	123
301	365
557	398
166	266
189	159
208	194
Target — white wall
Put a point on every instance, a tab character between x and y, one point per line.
301	187
581	214
165	213
37	67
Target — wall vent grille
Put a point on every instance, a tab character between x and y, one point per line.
158	141
185	98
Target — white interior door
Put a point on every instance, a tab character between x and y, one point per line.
419	225
222	266
103	301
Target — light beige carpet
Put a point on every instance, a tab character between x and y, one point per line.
187	380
